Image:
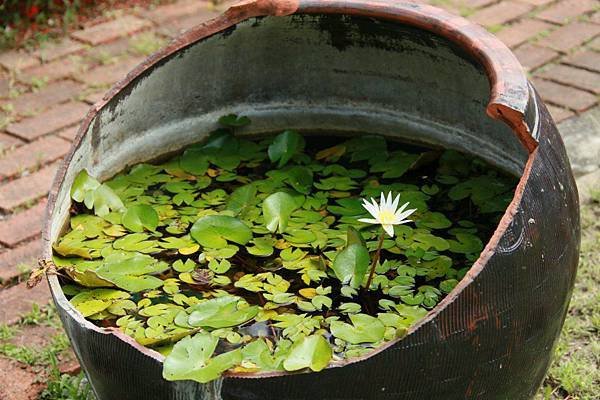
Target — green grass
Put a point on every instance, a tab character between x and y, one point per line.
575	373
66	387
146	43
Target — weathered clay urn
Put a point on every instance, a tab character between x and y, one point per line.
395	68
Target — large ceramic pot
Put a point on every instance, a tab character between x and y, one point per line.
394	68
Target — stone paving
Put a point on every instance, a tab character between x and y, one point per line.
44	94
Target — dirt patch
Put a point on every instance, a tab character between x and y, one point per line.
18	381
37	336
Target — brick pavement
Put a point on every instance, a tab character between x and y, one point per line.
45	92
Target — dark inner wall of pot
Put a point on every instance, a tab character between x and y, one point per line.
313	73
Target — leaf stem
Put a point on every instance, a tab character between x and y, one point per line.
375	260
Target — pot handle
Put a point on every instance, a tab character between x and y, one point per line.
510	94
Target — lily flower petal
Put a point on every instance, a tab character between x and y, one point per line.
368	221
389	229
386	213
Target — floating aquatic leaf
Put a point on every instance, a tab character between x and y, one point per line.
262	246
466	243
140	216
242	198
396	165
132	273
94	301
95	195
364	329
351	264
191	359
215	230
311	352
285	146
194	161
233	121
221	312
277	209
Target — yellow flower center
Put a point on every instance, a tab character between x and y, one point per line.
386	217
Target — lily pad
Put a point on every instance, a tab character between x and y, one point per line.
351	264
215	230
285	146
221	312
277	209
132	273
141	216
364	329
311	352
191	359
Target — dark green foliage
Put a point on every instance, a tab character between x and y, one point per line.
249	255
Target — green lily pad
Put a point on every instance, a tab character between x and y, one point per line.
351	264
312	352
141	216
191	359
466	243
277	209
364	329
285	146
90	302
221	312
215	230
132	273
242	198
234	121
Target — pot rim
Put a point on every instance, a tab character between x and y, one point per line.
509	101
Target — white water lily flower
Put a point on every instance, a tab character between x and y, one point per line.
386	214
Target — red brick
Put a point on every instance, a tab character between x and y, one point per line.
26	189
50	51
580	78
566	10
595	44
69	133
109	74
476	3
536	2
70	366
108	52
570	36
18	60
565	96
8	142
4	86
54	93
110	30
18	383
19	260
34	154
52	71
95	97
532	56
18	300
500	13
49	121
35	336
168	12
178	26
584	59
22	226
522	31
559	114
